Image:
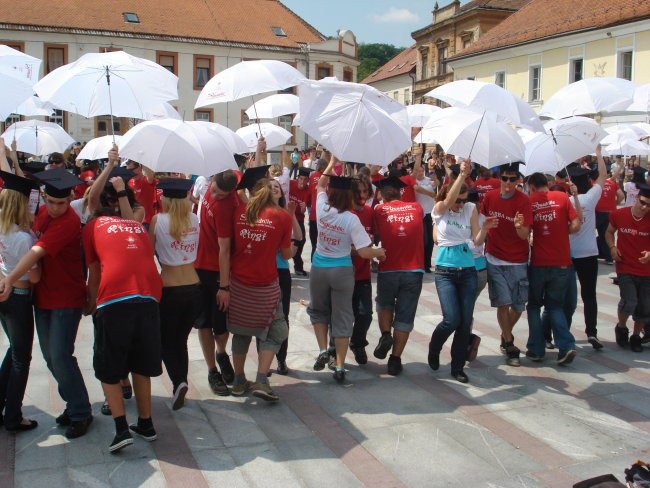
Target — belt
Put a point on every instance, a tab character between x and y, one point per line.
22	291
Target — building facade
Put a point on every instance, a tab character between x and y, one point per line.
396	78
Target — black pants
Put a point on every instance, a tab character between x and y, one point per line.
298	264
313	235
587	271
294	171
180	306
362	308
284	277
428	240
17	317
602	222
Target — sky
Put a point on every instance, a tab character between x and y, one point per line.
372	21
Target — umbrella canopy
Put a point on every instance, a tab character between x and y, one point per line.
34	106
641	99
98	148
18	73
235	142
163	110
248	78
631	147
590	96
419	113
472	135
37	137
113	83
177	146
618	134
274	135
355	122
273	106
481	96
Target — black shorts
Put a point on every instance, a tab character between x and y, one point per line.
211	316
127	340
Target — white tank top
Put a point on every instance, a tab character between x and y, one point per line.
172	252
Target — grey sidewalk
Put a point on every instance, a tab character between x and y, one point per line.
539	425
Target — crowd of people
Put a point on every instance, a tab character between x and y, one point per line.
149	256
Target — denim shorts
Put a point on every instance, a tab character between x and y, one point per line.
634	292
508	285
399	291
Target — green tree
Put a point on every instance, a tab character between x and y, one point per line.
373	56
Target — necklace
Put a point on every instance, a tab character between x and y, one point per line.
637	219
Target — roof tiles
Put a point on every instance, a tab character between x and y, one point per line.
398	65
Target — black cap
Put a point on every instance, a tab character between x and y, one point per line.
644	190
175	187
510	167
561	173
638	174
120	171
252	176
304	171
578	171
17	183
58	182
390	182
240	159
340	182
580	177
473	195
33	166
455	169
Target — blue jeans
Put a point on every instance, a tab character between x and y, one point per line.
456	289
569	307
57	331
548	287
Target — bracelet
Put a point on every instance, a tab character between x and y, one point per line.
224	288
121	194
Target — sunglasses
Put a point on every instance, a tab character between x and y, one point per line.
643	203
461	200
511	179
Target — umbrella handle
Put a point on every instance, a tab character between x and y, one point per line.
256	117
110	102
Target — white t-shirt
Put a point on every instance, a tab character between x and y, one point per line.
13	246
284	180
454	228
77	206
425	201
307	163
201	185
631	192
583	242
337	232
172	252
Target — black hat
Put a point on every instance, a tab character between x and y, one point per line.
240	159
304	171
58	182
510	168
175	187
390	182
120	171
455	169
473	195
340	182
17	183
33	166
252	176
578	172
638	174
644	190
580	178
561	174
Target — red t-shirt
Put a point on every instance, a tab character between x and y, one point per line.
607	202
313	184
145	194
407	193
255	247
216	221
399	225
552	213
632	237
361	265
299	196
469	182
124	251
483	185
502	241
62	282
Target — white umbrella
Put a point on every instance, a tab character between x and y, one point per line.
37	137
98	147
641	99
246	79
355	122
472	135
590	96
18	73
419	113
34	106
622	133
163	110
481	96
644	127
631	147
273	106
177	146
235	142
273	134
112	83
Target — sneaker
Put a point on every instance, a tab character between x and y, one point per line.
78	428
120	441
502	347
534	357
241	388
460	376
394	365
127	392
472	348
635	343
63	419
595	343
106	410
567	357
300	272
384	345
321	361
217	384
149	434
512	353
264	391
282	368
550	345
360	355
622	335
339	375
179	396
331	364
434	360
227	373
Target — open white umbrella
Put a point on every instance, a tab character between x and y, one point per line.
177	146
34	106
98	147
630	147
234	141
641	99
419	113
18	73
472	135
163	110
481	96
273	106
590	96
37	137
273	134
355	122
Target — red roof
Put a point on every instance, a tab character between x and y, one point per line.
398	65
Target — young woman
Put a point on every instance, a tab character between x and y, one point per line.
174	234
16	312
455	275
331	280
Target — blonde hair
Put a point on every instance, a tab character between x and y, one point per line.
261	197
275	170
14	211
179	215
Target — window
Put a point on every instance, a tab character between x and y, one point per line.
56	55
575	71
131	17
407	96
347	74
13	118
278	31
168	60
323	71
396	96
17	45
625	65
202	71
442	63
467	42
109	49
285	121
534	83
424	72
500	79
205	115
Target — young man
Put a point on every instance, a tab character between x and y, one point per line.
124	289
60	295
300	194
507	255
628	237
